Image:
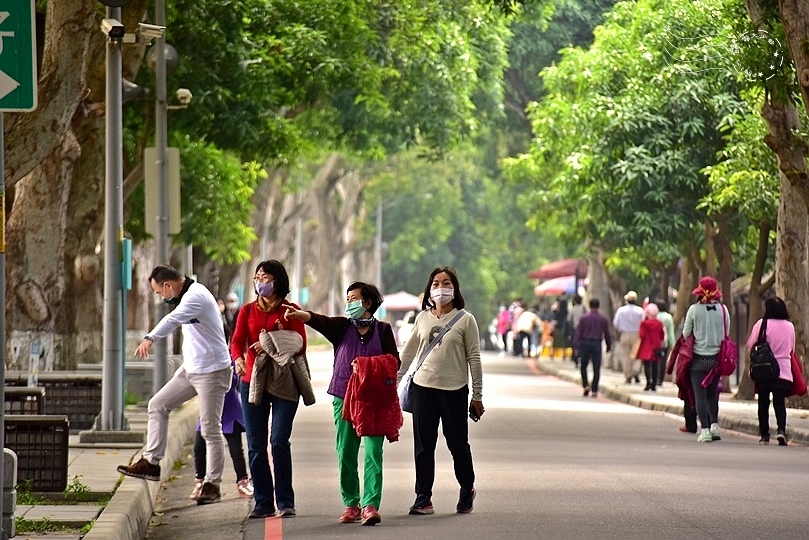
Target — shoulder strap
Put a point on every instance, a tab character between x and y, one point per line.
762	330
438	337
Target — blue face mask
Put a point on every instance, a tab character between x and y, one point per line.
265	289
354	309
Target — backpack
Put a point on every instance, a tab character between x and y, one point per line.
763	364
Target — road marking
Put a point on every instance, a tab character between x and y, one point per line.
273	529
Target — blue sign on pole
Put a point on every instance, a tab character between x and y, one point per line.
18	72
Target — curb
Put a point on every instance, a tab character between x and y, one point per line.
735	422
127	515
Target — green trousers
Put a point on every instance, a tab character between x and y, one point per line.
348	449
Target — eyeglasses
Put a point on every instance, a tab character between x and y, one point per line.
262	278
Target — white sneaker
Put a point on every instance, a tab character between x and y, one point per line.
704	436
197	490
244	488
715	436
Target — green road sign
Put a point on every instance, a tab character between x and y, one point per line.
18	80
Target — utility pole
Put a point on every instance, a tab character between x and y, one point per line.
111	417
160	372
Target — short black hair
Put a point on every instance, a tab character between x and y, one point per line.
457	300
368	292
279	275
775	308
594	303
661	305
577	299
163	273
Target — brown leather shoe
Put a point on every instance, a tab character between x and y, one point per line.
210	494
141	469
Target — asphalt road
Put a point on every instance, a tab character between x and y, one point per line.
550	464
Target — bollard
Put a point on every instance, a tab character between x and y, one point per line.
9	492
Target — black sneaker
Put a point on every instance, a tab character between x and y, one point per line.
210	494
637	379
141	469
782	438
422	507
465	501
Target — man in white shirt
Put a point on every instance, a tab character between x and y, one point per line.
206	371
627	321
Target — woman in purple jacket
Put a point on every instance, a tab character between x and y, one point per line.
780	335
359	333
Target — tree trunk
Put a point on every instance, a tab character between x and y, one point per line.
795	18
755	309
790	270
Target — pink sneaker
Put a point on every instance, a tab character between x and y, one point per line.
370	516
197	489
244	488
351	514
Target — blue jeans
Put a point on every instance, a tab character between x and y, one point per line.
590	351
256	422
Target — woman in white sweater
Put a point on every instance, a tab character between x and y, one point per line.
440	387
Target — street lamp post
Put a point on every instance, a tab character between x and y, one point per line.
111	417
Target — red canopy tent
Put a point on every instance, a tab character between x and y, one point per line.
557	269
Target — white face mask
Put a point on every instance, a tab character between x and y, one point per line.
442	296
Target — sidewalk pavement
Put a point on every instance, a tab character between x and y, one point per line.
734	414
127	514
131	500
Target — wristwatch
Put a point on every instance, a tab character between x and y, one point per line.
148	338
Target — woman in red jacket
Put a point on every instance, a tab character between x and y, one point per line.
271	284
651	335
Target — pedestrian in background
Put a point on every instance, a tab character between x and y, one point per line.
276	395
576	313
668	325
780	336
651	335
504	326
516	344
527	324
707	321
206	371
561	335
440	388
359	333
593	327
627	321
231	313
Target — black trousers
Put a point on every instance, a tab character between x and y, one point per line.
235	446
449	408
779	390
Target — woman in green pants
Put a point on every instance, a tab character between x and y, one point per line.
357	334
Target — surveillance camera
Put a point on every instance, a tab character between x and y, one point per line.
113	29
152	31
184	96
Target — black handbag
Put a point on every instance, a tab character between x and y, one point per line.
763	364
